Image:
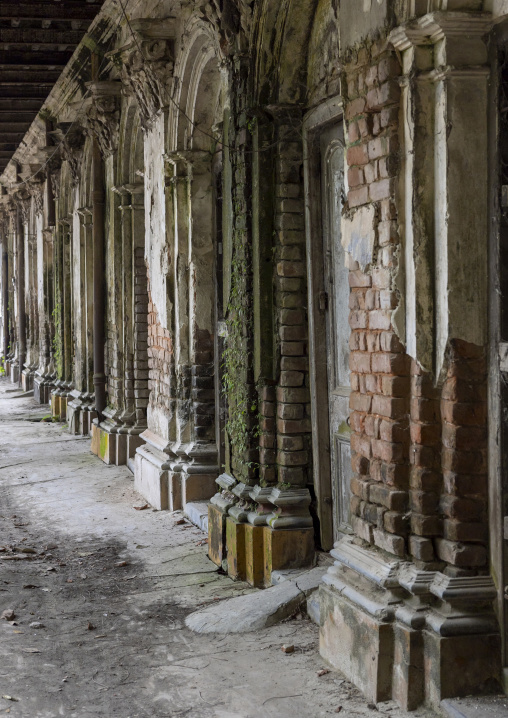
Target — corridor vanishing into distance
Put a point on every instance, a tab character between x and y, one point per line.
254	357
100	591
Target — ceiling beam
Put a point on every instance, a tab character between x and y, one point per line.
57	58
30	92
29	77
11	136
39	36
19	103
13	117
63	11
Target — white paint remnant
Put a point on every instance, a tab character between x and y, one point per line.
358	235
156	254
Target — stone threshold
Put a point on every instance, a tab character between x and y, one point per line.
258	610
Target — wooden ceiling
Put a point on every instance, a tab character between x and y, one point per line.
37	39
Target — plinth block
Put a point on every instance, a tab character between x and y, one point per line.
197	487
175	502
216	535
254	555
356	644
27	381
457	666
286	549
96	437
103	444
121	449
408	685
151	481
63	408
235	546
55	407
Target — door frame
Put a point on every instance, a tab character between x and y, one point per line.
498	547
328	112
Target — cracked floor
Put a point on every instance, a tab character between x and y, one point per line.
100	592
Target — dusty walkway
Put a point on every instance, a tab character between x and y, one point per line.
101	591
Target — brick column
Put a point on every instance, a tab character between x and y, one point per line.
413	587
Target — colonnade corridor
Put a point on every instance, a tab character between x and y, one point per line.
100	591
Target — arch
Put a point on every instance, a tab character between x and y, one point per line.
283	32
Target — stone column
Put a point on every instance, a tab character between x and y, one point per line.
5	294
62	320
102	122
200	469
80	405
45	372
132	419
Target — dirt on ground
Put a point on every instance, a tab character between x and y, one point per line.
100	590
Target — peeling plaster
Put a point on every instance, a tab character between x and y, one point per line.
358	235
156	255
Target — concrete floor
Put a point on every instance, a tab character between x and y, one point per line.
110	587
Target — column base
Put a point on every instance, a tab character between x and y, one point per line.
286	549
217	551
42	389
255	555
151	474
27	379
80	413
14	373
404	634
235	546
197	487
110	445
357	643
58	407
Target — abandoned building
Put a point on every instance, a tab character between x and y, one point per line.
256	250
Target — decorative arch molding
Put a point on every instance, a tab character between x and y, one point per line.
283	31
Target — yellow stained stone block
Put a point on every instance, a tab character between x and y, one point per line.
254	555
286	549
96	440
216	535
235	543
55	407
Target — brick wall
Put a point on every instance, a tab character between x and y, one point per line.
292	392
418	449
160	359
140	390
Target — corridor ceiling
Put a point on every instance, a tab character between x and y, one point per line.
37	39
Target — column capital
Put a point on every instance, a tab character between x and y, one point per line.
147	64
103	114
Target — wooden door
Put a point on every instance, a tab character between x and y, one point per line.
334	302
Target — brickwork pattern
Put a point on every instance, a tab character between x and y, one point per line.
203	386
160	361
138	394
292	394
418	449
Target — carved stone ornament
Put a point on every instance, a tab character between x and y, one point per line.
103	116
71	138
23	201
147	65
54	178
36	190
231	20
